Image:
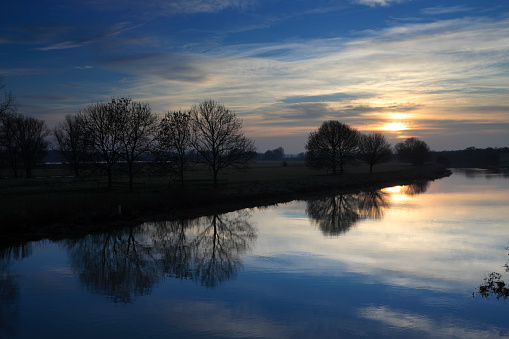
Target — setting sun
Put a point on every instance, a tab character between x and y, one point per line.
394	126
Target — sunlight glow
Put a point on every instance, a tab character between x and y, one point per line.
394	189
394	126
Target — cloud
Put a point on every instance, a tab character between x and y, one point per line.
174	7
112	31
446	10
374	3
176	67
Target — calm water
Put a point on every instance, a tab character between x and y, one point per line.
401	262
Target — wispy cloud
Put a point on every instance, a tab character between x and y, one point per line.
373	3
174	7
446	10
112	31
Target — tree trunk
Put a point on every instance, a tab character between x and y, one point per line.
131	175
110	179
215	177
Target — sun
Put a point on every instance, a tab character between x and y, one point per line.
394	126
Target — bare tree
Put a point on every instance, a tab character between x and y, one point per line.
413	150
137	136
71	140
333	144
30	138
174	141
8	152
9	123
103	128
374	149
8	102
218	138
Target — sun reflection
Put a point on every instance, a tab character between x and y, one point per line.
394	189
394	126
397	193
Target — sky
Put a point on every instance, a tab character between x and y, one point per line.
435	70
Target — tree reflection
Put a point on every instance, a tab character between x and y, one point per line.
372	204
494	285
116	264
335	215
9	290
127	264
416	188
217	248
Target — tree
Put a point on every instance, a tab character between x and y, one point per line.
7	114
218	138
333	144
30	139
174	141
72	141
275	154
374	149
103	128
413	150
9	121
120	130
138	125
8	102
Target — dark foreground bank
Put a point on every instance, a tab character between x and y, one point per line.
63	217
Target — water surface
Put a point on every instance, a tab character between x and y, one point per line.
401	262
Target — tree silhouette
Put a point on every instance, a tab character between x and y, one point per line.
72	141
413	150
218	138
174	142
374	149
333	145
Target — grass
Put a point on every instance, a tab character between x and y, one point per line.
55	204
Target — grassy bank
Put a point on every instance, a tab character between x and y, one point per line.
53	205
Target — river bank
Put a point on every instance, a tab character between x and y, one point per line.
67	216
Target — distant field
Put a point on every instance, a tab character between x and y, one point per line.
54	178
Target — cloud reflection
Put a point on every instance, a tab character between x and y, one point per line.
407	321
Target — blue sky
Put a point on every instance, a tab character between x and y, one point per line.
436	70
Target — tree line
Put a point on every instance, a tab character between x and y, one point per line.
125	136
335	145
474	157
121	135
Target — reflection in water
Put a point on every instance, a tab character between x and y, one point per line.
117	264
416	188
336	214
9	290
217	248
494	285
129	263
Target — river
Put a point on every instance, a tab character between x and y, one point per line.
405	261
